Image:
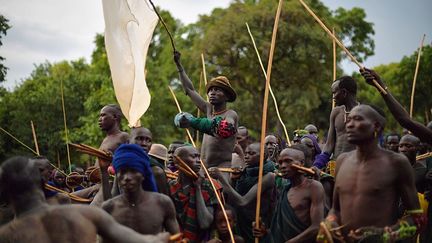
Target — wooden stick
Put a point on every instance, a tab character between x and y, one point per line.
382	90
424	156
415	75
175	237
264	117
19	141
35	138
270	88
65	125
207	174
204	69
188	169
164	25
72	196
198	110
334	65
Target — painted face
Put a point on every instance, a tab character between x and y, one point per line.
287	158
192	158
271	145
338	94
252	155
216	95
359	127
106	119
130	180
221	225
392	143
142	137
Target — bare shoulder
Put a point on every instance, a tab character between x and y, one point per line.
163	199
344	157
335	111
399	161
316	186
157	171
231	114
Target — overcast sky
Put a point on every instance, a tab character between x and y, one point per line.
56	30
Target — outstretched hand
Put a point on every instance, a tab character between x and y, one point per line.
369	75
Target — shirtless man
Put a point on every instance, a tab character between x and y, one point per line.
220	124
171	149
36	221
109	122
300	207
134	204
243	137
143	137
408	146
370	182
344	92
244	193
194	199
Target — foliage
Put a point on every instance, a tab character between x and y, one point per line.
301	76
4	26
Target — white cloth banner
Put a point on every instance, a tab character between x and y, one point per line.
129	26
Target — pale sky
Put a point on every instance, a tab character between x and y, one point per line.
56	30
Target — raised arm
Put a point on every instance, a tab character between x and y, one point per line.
397	110
316	214
188	86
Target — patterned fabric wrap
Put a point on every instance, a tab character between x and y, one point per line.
217	126
185	203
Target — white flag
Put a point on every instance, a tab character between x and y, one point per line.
129	26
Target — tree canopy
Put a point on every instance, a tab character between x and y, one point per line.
301	76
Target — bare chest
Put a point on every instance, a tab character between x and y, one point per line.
143	218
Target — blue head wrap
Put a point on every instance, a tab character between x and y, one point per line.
133	156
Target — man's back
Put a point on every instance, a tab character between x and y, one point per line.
52	224
368	190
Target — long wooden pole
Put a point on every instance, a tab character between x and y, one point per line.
198	110
334	65
35	138
19	141
264	117
206	172
382	90
270	88
65	126
415	75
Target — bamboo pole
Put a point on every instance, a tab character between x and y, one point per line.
65	125
264	117
35	138
334	65
204	69
415	75
206	171
19	141
382	90
198	110
270	88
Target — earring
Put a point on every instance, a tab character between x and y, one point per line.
375	134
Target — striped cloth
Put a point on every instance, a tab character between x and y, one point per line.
185	204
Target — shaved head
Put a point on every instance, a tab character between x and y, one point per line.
411	139
294	153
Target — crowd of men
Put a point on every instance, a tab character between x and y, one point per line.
346	187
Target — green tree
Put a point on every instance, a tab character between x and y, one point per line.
302	64
4	26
